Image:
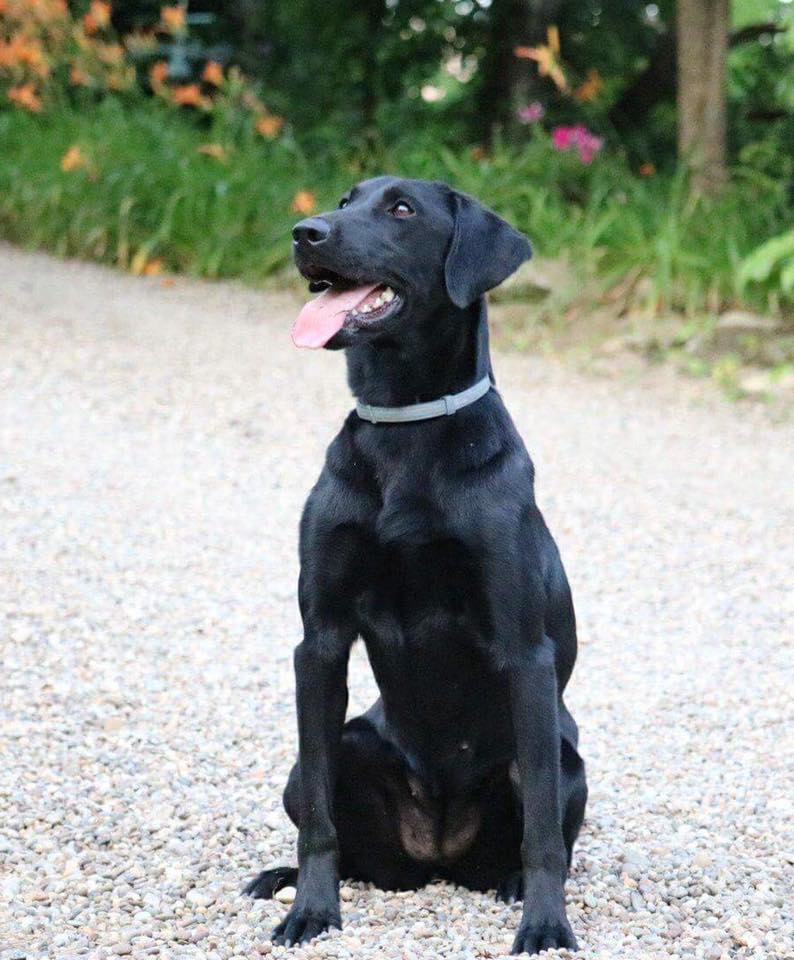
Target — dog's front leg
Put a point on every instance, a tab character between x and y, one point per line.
534	711
321	694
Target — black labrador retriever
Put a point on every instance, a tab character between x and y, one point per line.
422	537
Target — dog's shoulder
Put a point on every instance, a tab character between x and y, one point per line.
345	491
345	460
488	444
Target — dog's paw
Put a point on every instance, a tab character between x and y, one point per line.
511	888
265	885
304	923
534	936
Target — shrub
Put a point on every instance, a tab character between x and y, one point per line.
51	58
115	162
45	50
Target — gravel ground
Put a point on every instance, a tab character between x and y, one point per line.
157	440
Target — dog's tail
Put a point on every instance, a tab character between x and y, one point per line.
268	882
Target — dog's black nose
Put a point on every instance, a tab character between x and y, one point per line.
314	230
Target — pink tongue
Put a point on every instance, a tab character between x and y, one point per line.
323	316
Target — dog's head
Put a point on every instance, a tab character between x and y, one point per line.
397	249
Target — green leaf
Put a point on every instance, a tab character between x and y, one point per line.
787	278
764	260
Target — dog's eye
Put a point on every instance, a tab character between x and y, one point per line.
401	209
343	202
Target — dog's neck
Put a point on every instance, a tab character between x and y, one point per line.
447	353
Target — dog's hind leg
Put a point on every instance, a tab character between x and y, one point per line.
573	790
495	852
384	836
265	885
372	790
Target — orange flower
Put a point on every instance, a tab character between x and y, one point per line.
269	125
100	12
215	150
34	11
547	57
73	159
90	24
212	73
158	73
591	87
173	19
25	97
144	265
20	51
478	153
153	267
78	77
647	169
110	53
189	95
304	202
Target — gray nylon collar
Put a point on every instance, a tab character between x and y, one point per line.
444	407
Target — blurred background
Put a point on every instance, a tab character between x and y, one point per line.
646	148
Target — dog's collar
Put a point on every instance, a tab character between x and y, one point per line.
444	407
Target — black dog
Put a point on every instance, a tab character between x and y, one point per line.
424	539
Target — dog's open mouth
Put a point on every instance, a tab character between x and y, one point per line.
343	303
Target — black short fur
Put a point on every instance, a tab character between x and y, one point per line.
424	540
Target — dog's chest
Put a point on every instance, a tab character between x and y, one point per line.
421	617
423	613
419	580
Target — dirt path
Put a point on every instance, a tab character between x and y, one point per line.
156	444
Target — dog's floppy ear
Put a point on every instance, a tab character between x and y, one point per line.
484	251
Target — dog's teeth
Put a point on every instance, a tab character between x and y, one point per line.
383	298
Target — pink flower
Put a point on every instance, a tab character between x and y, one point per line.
531	113
587	143
589	150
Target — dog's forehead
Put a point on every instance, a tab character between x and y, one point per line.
376	187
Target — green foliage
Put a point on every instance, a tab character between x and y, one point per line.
772	265
145	192
340	76
609	223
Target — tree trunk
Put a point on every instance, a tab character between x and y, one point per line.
702	30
